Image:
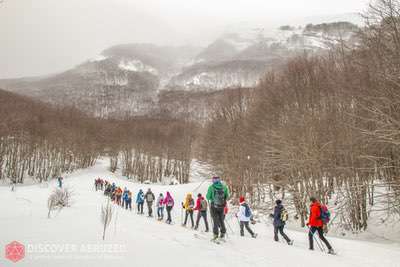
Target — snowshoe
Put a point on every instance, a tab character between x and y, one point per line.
331	251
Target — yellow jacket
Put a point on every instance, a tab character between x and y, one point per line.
189	202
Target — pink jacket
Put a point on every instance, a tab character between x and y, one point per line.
168	199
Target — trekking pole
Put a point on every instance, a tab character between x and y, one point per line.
316	241
181	215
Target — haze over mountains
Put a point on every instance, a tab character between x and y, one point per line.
132	79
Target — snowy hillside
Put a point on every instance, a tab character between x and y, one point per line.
126	79
72	237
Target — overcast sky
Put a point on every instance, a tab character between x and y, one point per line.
47	36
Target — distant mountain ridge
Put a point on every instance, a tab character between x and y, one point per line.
128	79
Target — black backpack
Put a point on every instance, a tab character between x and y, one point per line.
219	198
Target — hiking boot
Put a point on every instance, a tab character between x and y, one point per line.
222	235
206	231
331	251
254	236
290	243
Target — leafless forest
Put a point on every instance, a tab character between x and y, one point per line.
324	125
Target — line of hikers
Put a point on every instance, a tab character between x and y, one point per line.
216	202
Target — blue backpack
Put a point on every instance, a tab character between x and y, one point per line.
325	214
247	211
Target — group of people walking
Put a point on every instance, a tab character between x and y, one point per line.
215	202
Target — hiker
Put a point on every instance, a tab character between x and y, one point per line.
245	216
160	207
149	200
124	196
217	195
128	200
140	201
107	191
169	204
118	196
316	224
60	181
188	205
201	207
280	218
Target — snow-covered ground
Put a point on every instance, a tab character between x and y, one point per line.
73	236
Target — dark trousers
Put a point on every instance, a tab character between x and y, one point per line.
243	225
169	219
204	215
320	234
189	213
128	204
150	208
160	212
280	230
218	217
140	207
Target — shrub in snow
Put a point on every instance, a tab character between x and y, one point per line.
59	198
106	215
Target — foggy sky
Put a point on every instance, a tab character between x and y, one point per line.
48	36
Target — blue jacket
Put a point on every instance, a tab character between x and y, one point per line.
125	195
140	197
277	216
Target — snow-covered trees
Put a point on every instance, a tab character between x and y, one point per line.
322	125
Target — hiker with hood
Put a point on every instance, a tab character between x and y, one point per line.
140	201
149	196
188	205
160	207
169	204
128	200
316	224
217	195
280	218
201	207
245	216
124	196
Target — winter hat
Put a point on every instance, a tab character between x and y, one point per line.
278	202
313	199
199	195
216	179
241	199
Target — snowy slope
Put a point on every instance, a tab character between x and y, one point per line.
141	241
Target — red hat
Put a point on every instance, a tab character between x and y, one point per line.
241	199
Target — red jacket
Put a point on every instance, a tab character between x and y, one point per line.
315	215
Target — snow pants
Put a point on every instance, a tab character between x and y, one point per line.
218	217
243	225
169	219
279	229
187	214
320	234
150	208
140	207
204	215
